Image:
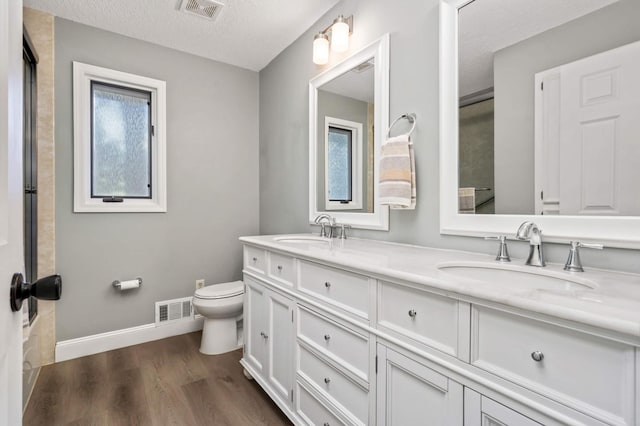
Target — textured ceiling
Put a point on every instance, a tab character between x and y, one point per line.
247	33
487	26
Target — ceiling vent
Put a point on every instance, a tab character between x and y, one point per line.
208	9
364	66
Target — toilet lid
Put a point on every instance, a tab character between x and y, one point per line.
220	291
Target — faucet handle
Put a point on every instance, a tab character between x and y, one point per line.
343	230
503	252
587	245
573	263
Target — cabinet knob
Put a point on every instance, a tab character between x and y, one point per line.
537	356
326	424
255	259
327	284
327	337
279	267
412	313
264	336
327	380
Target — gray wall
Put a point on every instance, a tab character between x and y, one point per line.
212	179
345	108
414	26
514	71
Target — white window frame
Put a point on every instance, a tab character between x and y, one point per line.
356	163
83	75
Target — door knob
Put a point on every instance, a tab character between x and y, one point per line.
48	288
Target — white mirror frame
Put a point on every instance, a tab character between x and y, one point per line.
379	219
623	231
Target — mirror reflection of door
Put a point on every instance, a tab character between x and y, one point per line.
505	46
589	114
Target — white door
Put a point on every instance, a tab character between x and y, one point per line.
255	319
11	233
280	341
410	393
591	121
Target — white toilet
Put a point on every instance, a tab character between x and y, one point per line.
221	307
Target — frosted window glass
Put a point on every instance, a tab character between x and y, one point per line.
339	164
120	142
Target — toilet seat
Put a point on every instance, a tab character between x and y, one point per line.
220	291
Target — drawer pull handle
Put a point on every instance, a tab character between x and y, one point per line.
264	335
255	259
537	356
279	267
412	313
326	424
327	284
327	380
327	337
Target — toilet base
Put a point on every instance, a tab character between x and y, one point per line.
219	335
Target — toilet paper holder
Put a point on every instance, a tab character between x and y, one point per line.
126	285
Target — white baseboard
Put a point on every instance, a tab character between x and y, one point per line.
89	345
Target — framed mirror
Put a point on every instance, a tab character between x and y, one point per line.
540	118
348	114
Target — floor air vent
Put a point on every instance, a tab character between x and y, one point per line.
169	311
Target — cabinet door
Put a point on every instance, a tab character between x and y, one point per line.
482	411
409	393
255	320
280	345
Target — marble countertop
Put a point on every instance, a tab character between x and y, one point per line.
614	303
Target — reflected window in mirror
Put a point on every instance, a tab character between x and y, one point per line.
549	107
343	174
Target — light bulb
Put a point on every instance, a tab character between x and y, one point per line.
340	35
320	49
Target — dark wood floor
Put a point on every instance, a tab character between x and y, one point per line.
166	382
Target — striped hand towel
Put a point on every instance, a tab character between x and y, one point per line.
398	173
466	200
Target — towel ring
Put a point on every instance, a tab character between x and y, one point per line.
409	116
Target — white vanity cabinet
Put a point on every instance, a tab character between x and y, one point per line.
268	340
482	411
411	393
333	345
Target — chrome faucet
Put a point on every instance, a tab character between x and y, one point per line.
322	220
530	231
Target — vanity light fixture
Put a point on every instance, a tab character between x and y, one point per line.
320	49
339	30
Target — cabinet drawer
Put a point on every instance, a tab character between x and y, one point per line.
334	385
255	259
282	268
339	343
347	290
312	410
428	318
591	374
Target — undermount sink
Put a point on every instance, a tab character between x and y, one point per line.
527	277
302	239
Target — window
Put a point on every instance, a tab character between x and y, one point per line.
119	141
343	164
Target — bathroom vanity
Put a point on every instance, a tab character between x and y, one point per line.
362	332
